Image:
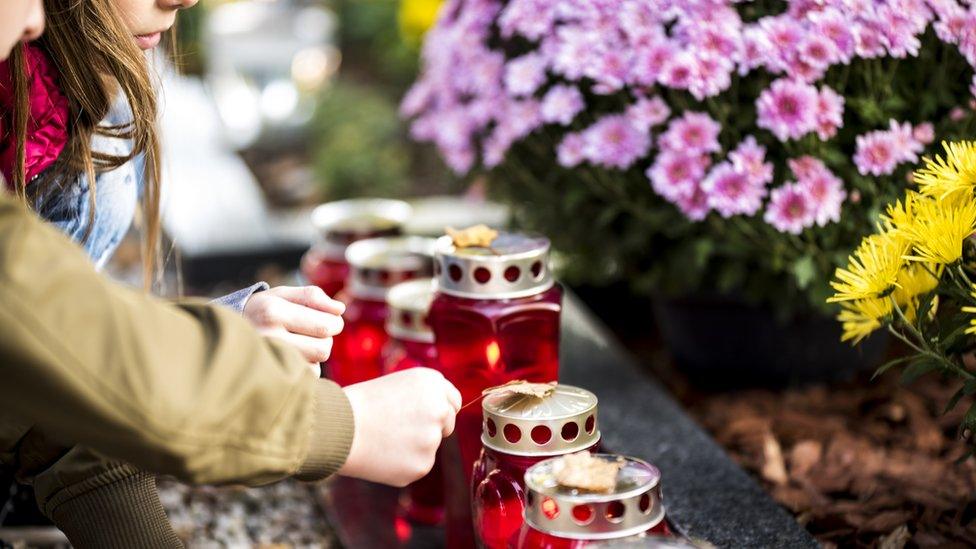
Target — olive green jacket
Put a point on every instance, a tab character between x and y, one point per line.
188	390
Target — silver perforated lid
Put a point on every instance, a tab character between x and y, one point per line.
343	222
633	506
409	303
561	423
378	264
516	265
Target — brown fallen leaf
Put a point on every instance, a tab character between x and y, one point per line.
585	472
803	456
774	468
478	236
522	387
896	539
885	521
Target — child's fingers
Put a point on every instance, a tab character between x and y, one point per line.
453	396
312	348
310	296
302	320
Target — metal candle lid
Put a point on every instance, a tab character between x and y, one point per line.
343	222
516	265
409	303
378	264
524	425
632	507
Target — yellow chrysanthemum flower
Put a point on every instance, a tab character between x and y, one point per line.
915	280
872	270
940	227
956	172
417	16
862	317
900	215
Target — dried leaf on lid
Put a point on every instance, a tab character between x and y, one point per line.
479	236
522	387
585	472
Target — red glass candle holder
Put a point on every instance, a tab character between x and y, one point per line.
495	317
411	345
520	431
377	265
341	223
557	517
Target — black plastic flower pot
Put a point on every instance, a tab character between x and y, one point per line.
720	342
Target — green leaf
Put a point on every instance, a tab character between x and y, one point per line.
969	422
891	364
954	400
918	369
805	270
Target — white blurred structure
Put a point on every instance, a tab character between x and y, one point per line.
266	62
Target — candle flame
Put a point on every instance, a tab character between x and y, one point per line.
493	353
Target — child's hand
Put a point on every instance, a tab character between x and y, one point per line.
304	317
400	420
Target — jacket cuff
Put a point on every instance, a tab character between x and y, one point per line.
124	514
332	432
238	299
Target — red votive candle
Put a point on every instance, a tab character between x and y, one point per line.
558	517
376	265
520	431
338	225
411	345
495	317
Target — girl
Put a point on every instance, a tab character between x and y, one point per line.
78	143
87	176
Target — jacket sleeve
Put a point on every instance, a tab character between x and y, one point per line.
188	390
95	501
237	300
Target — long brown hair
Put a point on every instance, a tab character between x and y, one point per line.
96	59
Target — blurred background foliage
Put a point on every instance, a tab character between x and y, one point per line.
355	144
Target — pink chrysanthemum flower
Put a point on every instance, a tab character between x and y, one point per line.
571	151
907	148
830	113
731	191
649	62
924	133
645	113
749	157
784	35
818	51
459	159
495	146
678	71
675	175
712	77
790	209
788	109
525	74
693	133
876	154
614	142
835	26
561	104
695	205
827	194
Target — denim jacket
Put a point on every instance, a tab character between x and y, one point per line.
67	204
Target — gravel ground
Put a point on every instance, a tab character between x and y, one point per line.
282	515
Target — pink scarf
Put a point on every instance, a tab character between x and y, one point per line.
47	125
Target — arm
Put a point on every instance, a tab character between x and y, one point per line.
209	402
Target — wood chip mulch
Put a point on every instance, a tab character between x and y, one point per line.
861	464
